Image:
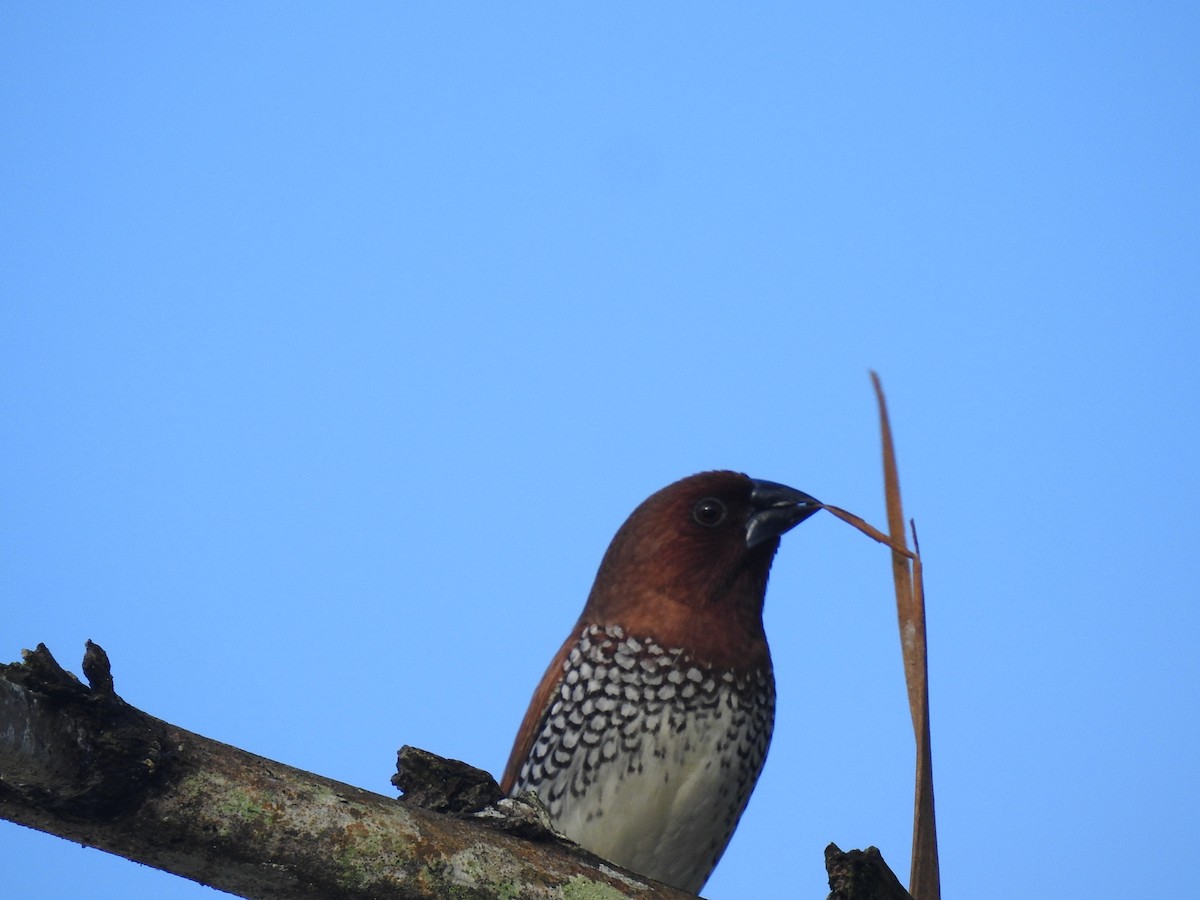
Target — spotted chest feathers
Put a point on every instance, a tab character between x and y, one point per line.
671	748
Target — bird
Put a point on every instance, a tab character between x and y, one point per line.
648	731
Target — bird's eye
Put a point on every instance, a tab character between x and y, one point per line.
709	512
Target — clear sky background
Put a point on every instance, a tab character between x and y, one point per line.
336	341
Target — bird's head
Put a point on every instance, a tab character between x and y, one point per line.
689	566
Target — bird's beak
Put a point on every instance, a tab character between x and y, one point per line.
777	509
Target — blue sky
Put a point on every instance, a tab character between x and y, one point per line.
336	342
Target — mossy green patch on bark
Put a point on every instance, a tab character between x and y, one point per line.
580	888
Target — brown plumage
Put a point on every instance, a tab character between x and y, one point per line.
647	733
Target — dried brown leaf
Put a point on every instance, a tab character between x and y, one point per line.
924	878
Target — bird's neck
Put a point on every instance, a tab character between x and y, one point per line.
718	637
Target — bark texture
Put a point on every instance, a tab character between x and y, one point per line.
861	875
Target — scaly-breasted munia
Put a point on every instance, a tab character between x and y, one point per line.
648	731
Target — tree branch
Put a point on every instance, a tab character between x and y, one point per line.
82	764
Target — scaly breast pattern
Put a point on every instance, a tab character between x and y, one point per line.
646	757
